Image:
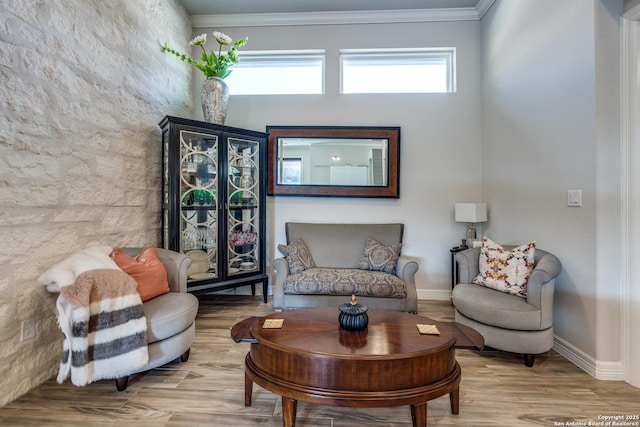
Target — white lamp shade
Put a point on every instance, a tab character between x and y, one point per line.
471	212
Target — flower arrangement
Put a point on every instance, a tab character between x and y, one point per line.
212	64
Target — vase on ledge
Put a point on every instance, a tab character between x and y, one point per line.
215	100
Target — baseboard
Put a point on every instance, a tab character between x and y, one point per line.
434	294
611	371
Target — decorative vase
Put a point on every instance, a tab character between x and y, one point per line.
215	100
353	316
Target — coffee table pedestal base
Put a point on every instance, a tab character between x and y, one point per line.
291	393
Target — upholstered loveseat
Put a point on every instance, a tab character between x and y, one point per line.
337	271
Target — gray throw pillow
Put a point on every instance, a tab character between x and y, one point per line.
297	255
378	257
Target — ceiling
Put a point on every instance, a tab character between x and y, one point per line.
236	7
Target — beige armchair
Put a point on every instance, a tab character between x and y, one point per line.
170	317
508	322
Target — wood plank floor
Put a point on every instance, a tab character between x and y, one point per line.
496	389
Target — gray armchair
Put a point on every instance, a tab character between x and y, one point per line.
508	322
170	317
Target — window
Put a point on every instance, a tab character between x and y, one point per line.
292	170
278	73
398	71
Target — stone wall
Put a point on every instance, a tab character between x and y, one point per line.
83	84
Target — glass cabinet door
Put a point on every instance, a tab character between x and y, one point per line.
243	202
199	203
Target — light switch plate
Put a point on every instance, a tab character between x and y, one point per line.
574	198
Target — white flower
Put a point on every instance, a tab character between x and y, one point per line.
222	38
199	40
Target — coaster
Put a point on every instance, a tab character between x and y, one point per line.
428	329
273	323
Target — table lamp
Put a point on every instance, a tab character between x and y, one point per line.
471	213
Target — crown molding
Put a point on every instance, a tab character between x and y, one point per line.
483	7
338	18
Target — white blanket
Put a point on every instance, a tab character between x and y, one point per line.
104	326
65	272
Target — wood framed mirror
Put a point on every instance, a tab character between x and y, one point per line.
361	161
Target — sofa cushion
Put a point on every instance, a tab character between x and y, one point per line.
378	257
496	308
169	314
345	281
297	255
341	245
503	270
146	269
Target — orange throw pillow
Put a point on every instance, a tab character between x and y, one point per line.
146	269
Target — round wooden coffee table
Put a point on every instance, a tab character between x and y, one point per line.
310	358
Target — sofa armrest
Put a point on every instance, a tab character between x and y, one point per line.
281	267
406	269
176	265
542	280
468	264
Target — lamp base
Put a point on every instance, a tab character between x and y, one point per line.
471	235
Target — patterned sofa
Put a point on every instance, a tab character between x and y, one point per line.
341	261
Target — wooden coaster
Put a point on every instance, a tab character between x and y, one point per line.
273	323
428	329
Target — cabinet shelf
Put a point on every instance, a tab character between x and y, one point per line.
198	207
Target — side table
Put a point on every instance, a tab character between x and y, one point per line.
454	264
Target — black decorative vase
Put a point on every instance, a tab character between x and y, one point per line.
353	316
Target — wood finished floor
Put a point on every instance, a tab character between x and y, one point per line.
496	389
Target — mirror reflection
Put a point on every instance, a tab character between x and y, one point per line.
332	161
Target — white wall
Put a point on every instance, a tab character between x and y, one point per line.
83	84
440	136
550	124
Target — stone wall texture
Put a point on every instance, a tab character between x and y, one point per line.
83	85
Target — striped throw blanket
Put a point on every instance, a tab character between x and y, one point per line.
104	327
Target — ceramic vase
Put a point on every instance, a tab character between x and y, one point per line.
215	100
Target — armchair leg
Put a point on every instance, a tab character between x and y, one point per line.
529	359
122	383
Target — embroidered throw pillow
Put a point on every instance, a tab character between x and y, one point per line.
503	270
297	255
378	257
147	270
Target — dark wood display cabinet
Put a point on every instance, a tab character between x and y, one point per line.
214	203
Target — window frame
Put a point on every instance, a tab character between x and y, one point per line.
275	58
389	56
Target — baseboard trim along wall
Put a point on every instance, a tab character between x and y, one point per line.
434	294
611	371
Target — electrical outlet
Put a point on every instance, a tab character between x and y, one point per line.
28	330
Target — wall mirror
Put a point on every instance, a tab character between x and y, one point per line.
345	161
